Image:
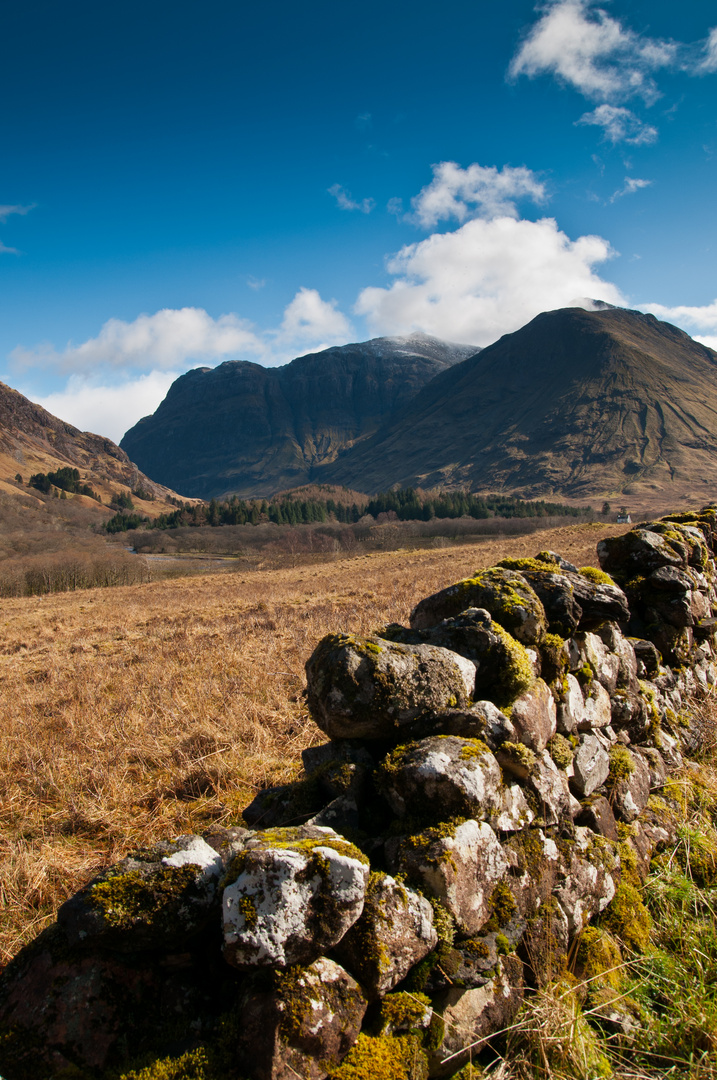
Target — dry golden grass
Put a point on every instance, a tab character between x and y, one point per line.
140	712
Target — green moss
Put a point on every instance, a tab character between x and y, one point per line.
561	751
698	854
585	674
530	564
384	1057
443	922
597	577
476	947
421	844
248	909
554	658
599	960
503	908
627	918
516	674
519	753
473	748
403	1012
502	944
193	1065
628	863
622	765
127	898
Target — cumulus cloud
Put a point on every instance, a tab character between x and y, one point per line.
620	125
480	190
585	48
699	321
311	320
163	341
485	279
124	372
346	202
108	409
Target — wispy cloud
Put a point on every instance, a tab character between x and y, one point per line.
620	125
347	202
699	320
255	283
478	191
631	185
7	211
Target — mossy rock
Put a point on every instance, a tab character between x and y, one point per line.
383	1057
627	918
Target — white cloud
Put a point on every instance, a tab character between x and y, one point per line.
346	202
584	47
485	279
108	410
7	211
105	392
708	63
309	319
631	185
168	339
620	125
5	250
699	321
478	190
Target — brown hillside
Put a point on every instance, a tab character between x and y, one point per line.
577	403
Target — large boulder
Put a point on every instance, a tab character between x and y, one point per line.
395	931
147	900
505	594
443	777
370	688
290	895
459	864
639	552
504	668
300	1022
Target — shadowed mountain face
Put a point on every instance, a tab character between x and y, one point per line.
252	430
576	402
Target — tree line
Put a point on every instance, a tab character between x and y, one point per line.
407	504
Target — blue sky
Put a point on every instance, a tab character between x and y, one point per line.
187	183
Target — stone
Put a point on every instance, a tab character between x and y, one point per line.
557	595
504	668
370	688
591	766
291	894
148	899
534	716
341	814
599	603
629	712
444	777
514	812
548	787
571	707
587	878
655	764
605	664
505	594
532	869
638	552
648	658
598	710
395	931
459	864
468	1017
302	1023
481	720
596	814
545	944
630	789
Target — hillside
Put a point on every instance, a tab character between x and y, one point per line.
579	403
252	430
32	440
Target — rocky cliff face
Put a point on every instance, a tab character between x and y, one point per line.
576	402
253	430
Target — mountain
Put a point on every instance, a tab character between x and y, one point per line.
575	403
252	430
32	440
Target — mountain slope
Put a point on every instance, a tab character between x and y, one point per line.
577	402
252	430
32	440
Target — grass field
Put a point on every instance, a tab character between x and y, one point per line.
137	713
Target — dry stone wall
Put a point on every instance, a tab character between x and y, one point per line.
485	795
